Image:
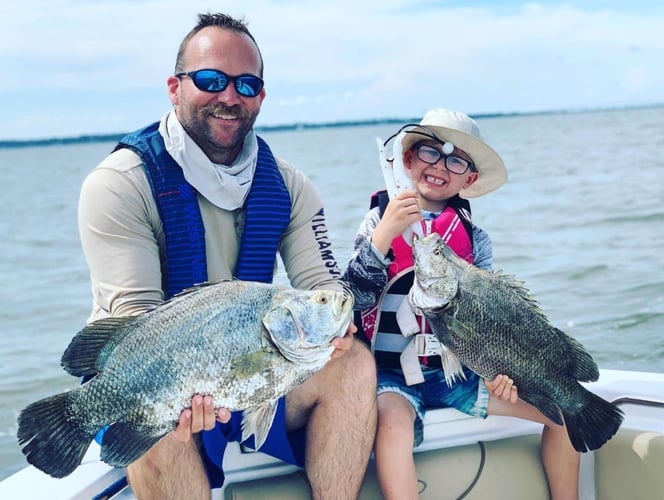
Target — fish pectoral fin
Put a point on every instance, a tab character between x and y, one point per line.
257	421
459	329
251	363
123	444
452	367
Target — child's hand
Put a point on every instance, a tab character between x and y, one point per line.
502	387
401	212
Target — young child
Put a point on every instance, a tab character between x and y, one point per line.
447	161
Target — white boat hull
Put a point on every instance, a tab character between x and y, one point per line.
494	458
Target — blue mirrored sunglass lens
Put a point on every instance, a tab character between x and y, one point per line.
248	85
210	81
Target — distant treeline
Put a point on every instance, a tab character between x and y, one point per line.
276	128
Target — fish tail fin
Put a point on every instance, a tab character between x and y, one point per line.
81	358
50	439
595	424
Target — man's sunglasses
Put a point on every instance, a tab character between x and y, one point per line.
213	80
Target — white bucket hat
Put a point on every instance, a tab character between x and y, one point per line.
464	133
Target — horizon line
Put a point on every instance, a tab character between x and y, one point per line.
108	137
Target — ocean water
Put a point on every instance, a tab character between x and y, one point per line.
581	222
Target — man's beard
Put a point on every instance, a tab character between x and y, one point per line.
200	130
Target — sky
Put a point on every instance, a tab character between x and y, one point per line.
81	67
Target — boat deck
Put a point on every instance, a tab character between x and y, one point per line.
461	457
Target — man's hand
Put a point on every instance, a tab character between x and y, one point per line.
201	416
343	344
502	387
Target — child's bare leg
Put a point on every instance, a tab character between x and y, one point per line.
394	448
561	463
560	460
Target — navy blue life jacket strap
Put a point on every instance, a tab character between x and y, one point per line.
268	210
462	207
177	202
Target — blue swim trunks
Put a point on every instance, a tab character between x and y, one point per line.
468	396
286	446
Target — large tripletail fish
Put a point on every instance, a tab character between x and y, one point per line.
492	324
244	343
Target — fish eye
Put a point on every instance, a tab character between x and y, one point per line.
322	299
437	251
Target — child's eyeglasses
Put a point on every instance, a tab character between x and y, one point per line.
431	155
213	80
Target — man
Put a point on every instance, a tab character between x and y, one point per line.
198	196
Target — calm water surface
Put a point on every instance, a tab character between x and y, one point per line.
581	221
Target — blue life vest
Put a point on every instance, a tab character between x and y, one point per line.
268	211
267	214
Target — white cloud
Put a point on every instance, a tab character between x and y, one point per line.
329	60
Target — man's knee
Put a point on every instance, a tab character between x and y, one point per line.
359	369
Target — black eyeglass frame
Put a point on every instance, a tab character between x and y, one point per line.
239	82
445	158
429	135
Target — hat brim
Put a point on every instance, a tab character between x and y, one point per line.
492	171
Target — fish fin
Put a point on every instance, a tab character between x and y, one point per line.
197	287
595	424
546	406
123	444
250	363
51	440
257	421
519	287
81	358
585	368
452	367
459	329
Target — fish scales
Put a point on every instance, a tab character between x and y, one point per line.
244	343
494	326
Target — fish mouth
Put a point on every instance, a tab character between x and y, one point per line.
312	354
345	311
427	283
306	353
422	300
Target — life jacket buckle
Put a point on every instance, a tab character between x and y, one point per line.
426	344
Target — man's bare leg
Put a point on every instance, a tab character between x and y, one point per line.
170	469
173	467
339	405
